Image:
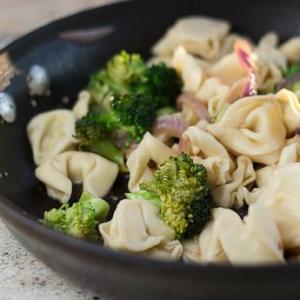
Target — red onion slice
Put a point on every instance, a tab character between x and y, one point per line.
198	107
170	125
243	51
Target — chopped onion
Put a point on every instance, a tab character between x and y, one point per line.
170	125
7	108
38	81
244	54
197	106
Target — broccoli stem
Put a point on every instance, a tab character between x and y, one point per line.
145	195
108	150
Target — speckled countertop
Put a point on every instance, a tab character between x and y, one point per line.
22	276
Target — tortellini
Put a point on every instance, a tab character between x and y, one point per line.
289	154
51	133
189	68
201	36
136	227
270	63
290	108
150	149
228	69
227	238
291	49
252	126
96	173
214	93
229	194
281	196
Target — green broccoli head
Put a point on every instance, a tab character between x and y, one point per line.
91	138
123	74
184	192
163	85
81	219
128	74
136	114
132	114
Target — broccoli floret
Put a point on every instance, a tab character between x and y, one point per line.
163	85
130	116
128	74
185	196
81	219
91	138
123	74
292	70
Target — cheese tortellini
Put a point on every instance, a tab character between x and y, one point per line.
253	127
150	149
201	36
51	133
281	196
226	239
136	227
58	173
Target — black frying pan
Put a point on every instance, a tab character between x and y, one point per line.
134	26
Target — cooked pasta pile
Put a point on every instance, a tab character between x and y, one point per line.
237	114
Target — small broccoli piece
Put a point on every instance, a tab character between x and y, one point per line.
81	219
92	139
130	114
123	74
292	70
185	196
163	85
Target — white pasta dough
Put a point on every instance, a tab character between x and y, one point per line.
198	35
51	133
289	154
226	239
281	196
253	127
149	149
229	194
189	68
228	69
291	109
270	63
291	49
213	92
96	173
136	227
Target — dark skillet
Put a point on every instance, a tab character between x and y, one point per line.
134	26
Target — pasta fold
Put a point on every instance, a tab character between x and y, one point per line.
252	126
198	35
136	227
51	133
96	173
281	196
149	149
227	238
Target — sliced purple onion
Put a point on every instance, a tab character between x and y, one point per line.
198	107
243	52
170	125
